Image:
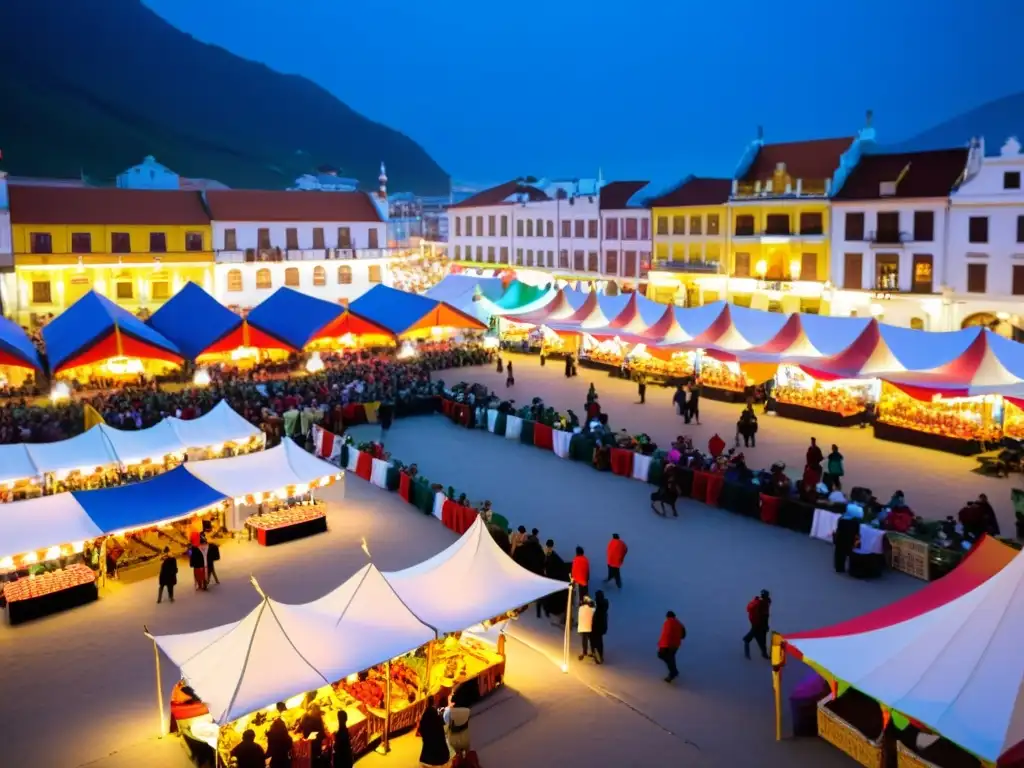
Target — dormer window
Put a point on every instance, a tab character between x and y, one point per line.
1011	180
887	189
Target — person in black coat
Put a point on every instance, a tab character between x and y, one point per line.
435	743
168	576
555	568
249	754
212	555
312	725
342	743
845	540
279	741
530	555
599	626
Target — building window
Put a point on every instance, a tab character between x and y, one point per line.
503	253
550	228
157	242
529	257
1020	229
977	277
629	232
1018	280
291	239
744	226
853	268
492	226
193	241
458	252
319	276
563	259
678	225
742	267
479	226
263	238
662	225
345	237
230	240
977	230
695	225
611	262
479	253
808	266
629	263
373	241
713	224
519	227
811	224
577	261
490	254
81	242
592	263
519	257
160	290
458	226
263	282
645	229
529	227
469	226
922	275
540	227
592	232
120	242
566	228
916	324
41	292
924	226
551	259
855	226
41	242
345	274
887	272
776	224
375	273
611	229
234	280
291	277
504	226
579	228
1011	180
124	290
318	238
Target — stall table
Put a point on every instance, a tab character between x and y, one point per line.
945	443
289	524
37	596
817	415
723	395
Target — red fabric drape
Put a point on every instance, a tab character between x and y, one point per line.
543	436
448	514
404	486
460	414
446	407
699	489
456	517
354	413
622	462
770	509
364	466
714	490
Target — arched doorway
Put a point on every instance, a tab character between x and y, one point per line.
996	322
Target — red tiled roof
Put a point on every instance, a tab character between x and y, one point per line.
815	159
105	205
615	195
258	205
499	194
928	174
695	191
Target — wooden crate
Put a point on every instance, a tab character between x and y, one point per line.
907	758
909	555
843	736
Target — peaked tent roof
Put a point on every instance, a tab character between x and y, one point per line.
262	472
194	320
293	317
132	446
520	296
88	450
690	326
807	337
563	304
16	463
748	328
947	656
221	424
597	311
402	312
470	294
95	329
35	524
490	583
639	314
16	348
349	322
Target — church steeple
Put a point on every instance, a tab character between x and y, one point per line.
383	180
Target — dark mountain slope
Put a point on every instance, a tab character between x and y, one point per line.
996	121
95	85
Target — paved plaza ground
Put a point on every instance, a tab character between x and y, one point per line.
79	688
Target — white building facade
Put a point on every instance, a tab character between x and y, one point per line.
985	275
332	245
625	232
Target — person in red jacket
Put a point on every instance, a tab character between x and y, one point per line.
758	611
672	634
581	573
616	554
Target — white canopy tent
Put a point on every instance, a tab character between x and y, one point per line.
37	524
132	447
220	425
957	668
279	650
86	451
262	472
469	582
16	463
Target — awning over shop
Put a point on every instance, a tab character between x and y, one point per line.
37	524
597	311
806	338
473	295
350	323
164	498
562	306
490	583
947	656
262	472
293	317
133	447
194	321
402	312
520	296
94	329
221	424
84	452
747	329
688	327
639	314
16	348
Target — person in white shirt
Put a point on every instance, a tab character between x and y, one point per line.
836	497
585	624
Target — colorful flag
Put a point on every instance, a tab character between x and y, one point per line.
92	417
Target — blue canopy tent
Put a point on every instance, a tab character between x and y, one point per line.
170	496
473	295
94	329
403	313
194	320
293	317
16	348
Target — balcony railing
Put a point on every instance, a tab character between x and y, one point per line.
697	267
263	255
795	188
888	237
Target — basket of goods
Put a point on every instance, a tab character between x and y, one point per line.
367	692
48	583
853	723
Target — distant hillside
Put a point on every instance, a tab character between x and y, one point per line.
95	85
995	120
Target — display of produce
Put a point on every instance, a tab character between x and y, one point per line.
49	583
284	516
846	397
969	418
719	375
680	365
1013	420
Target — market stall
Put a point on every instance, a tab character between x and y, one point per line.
218	433
19	477
350	331
284	520
661	366
607	354
725	381
962	425
19	359
410	316
835	403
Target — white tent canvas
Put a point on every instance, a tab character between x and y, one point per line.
86	451
489	582
958	668
131	447
37	524
220	425
262	472
16	463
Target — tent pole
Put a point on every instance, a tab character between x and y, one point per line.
568	631
386	740
426	674
159	684
103	562
778	659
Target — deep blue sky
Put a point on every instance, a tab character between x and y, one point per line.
498	90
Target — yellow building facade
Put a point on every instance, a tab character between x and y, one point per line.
136	247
